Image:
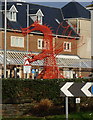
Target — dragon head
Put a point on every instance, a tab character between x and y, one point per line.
35	24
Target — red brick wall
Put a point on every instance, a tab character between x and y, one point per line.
9	47
60	41
33	43
32	40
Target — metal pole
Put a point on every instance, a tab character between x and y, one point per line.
27	26
91	46
27	33
66	108
5	40
15	72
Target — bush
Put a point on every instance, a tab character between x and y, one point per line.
45	104
20	91
27	90
42	108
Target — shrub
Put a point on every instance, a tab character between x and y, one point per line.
22	91
42	108
45	104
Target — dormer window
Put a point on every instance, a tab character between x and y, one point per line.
12	13
39	19
12	16
37	15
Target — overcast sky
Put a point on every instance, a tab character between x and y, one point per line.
58	0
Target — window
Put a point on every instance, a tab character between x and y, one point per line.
40	43
17	41
12	13
39	19
12	16
37	16
67	46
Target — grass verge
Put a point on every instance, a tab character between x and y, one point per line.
75	116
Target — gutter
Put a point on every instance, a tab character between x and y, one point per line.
54	35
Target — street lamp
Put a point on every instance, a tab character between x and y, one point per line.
27	25
5	40
5	35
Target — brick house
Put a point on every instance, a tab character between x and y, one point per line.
70	59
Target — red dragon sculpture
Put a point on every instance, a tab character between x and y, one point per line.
50	68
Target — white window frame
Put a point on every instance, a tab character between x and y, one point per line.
17	41
12	14
39	15
66	47
39	19
40	43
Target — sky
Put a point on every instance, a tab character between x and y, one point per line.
59	4
58	0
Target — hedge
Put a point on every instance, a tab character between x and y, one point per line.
20	91
27	90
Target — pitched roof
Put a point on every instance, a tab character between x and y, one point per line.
52	17
34	11
75	10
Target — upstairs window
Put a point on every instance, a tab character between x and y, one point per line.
39	19
17	41
12	16
40	43
37	15
12	13
67	46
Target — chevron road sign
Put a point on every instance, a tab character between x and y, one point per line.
72	89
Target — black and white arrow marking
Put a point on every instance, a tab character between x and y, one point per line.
85	89
71	89
65	88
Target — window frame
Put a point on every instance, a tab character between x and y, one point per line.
12	14
39	19
40	43
16	41
67	46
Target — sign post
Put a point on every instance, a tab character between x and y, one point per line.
72	89
15	72
77	100
26	67
66	108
